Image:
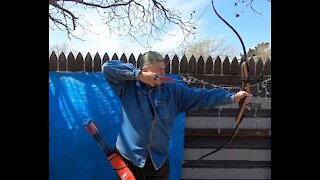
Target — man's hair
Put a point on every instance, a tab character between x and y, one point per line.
150	57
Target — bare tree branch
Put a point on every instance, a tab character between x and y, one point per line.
66	11
148	19
248	3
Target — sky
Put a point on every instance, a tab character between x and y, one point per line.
252	27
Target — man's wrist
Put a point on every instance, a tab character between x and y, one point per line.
233	98
139	74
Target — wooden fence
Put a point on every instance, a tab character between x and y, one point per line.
249	155
209	66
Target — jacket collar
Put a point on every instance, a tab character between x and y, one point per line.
144	89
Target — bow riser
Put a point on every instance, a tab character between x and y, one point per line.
245	87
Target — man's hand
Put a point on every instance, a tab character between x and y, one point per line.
241	94
150	78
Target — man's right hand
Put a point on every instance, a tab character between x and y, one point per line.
150	78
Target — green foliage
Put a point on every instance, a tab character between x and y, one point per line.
262	50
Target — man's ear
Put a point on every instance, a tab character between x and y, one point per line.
144	69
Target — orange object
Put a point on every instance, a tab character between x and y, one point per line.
120	166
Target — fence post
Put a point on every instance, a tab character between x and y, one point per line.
88	63
123	58
234	70
267	67
105	58
62	62
252	67
200	65
97	63
138	60
209	66
115	57
217	66
226	66
132	60
259	67
192	66
53	62
184	65
175	65
167	64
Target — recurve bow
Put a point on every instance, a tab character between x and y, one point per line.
245	86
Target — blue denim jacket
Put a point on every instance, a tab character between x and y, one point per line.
149	114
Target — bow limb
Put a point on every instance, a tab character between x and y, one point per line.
245	87
244	73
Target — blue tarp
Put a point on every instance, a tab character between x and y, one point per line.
75	98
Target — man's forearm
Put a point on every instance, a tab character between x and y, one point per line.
117	70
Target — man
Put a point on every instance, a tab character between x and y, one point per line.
149	108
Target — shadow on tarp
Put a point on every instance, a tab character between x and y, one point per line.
75	98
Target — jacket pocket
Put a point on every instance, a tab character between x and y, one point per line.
163	108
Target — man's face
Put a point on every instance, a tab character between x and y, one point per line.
158	68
